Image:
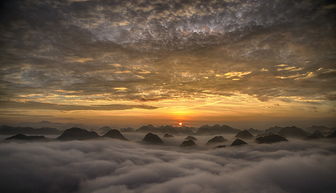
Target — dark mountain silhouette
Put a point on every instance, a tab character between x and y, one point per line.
168	135
332	135
316	135
26	137
271	138
152	139
9	130
190	138
188	143
115	134
216	139
293	132
238	142
216	129
76	133
245	134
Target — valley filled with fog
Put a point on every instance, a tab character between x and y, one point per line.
111	165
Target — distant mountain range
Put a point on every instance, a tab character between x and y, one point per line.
166	129
217	129
76	133
203	130
294	131
26	138
321	128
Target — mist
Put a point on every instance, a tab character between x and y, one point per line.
104	166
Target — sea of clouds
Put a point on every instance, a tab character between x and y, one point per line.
112	166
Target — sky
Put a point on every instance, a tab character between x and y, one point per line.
247	63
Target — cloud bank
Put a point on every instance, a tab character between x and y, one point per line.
125	167
38	105
220	55
118	50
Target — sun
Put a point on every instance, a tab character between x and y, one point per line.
180	123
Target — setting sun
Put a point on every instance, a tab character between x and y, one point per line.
180	123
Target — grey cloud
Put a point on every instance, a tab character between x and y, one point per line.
178	24
114	166
63	107
180	43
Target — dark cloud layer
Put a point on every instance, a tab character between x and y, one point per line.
154	50
37	105
125	167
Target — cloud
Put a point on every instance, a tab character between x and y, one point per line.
126	167
166	51
234	75
64	107
290	68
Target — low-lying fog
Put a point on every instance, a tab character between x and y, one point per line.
113	166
